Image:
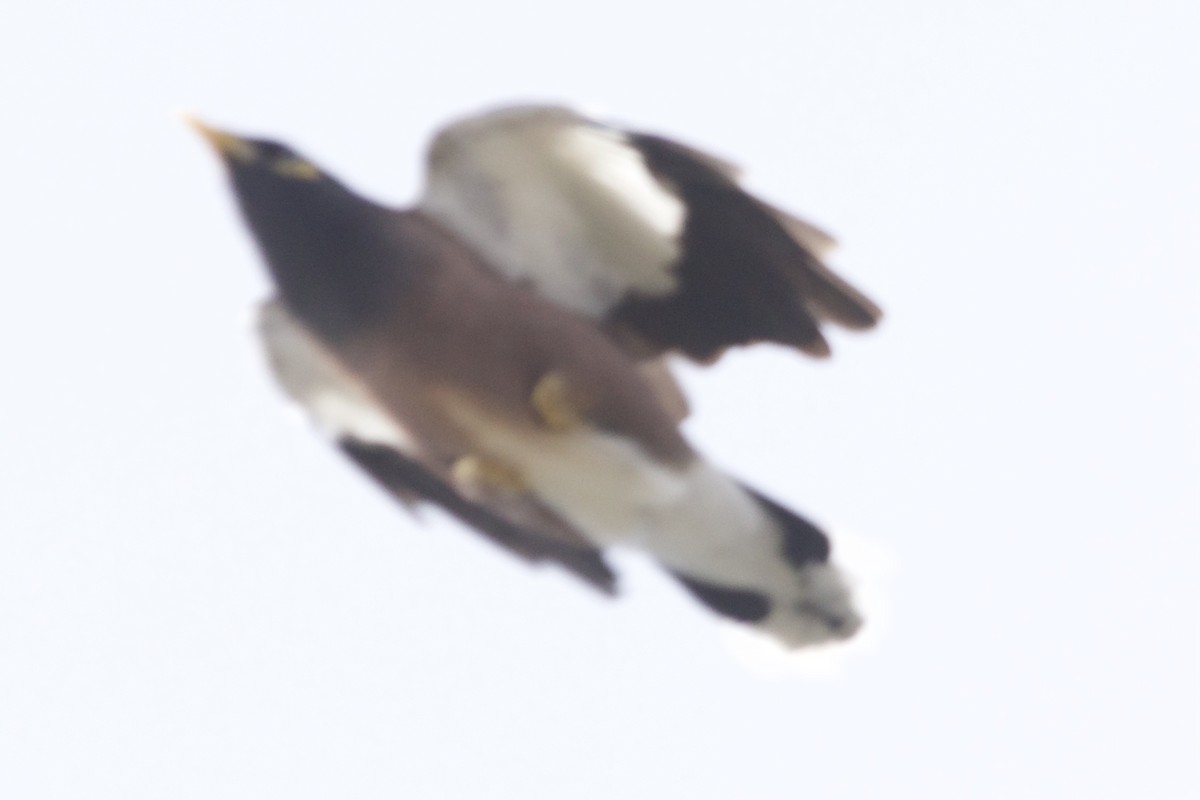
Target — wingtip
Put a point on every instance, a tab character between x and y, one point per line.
816	348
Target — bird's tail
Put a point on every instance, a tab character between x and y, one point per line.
810	604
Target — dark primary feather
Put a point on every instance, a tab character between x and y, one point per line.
743	277
404	478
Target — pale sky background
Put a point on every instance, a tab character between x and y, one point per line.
199	599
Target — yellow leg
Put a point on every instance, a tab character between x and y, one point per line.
483	471
559	407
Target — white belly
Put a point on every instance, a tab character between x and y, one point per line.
691	517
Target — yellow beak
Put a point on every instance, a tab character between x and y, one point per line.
228	146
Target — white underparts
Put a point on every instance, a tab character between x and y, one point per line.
338	405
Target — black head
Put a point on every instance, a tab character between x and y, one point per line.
326	247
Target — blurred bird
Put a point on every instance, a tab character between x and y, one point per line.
496	350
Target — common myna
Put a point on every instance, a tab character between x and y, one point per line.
494	350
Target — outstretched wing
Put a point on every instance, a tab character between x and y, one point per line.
652	237
373	441
406	479
745	272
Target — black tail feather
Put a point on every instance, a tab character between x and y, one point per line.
742	605
803	542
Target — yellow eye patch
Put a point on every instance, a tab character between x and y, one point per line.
296	168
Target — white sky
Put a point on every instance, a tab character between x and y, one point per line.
199	599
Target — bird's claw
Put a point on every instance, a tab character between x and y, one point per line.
477	470
559	407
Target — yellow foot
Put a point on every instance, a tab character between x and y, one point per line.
476	470
560	408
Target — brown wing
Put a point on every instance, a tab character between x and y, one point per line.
745	275
313	377
404	478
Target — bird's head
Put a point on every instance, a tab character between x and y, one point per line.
321	241
267	174
256	156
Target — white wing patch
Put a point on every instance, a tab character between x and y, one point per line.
338	405
604	155
550	197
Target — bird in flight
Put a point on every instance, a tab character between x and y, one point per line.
498	348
